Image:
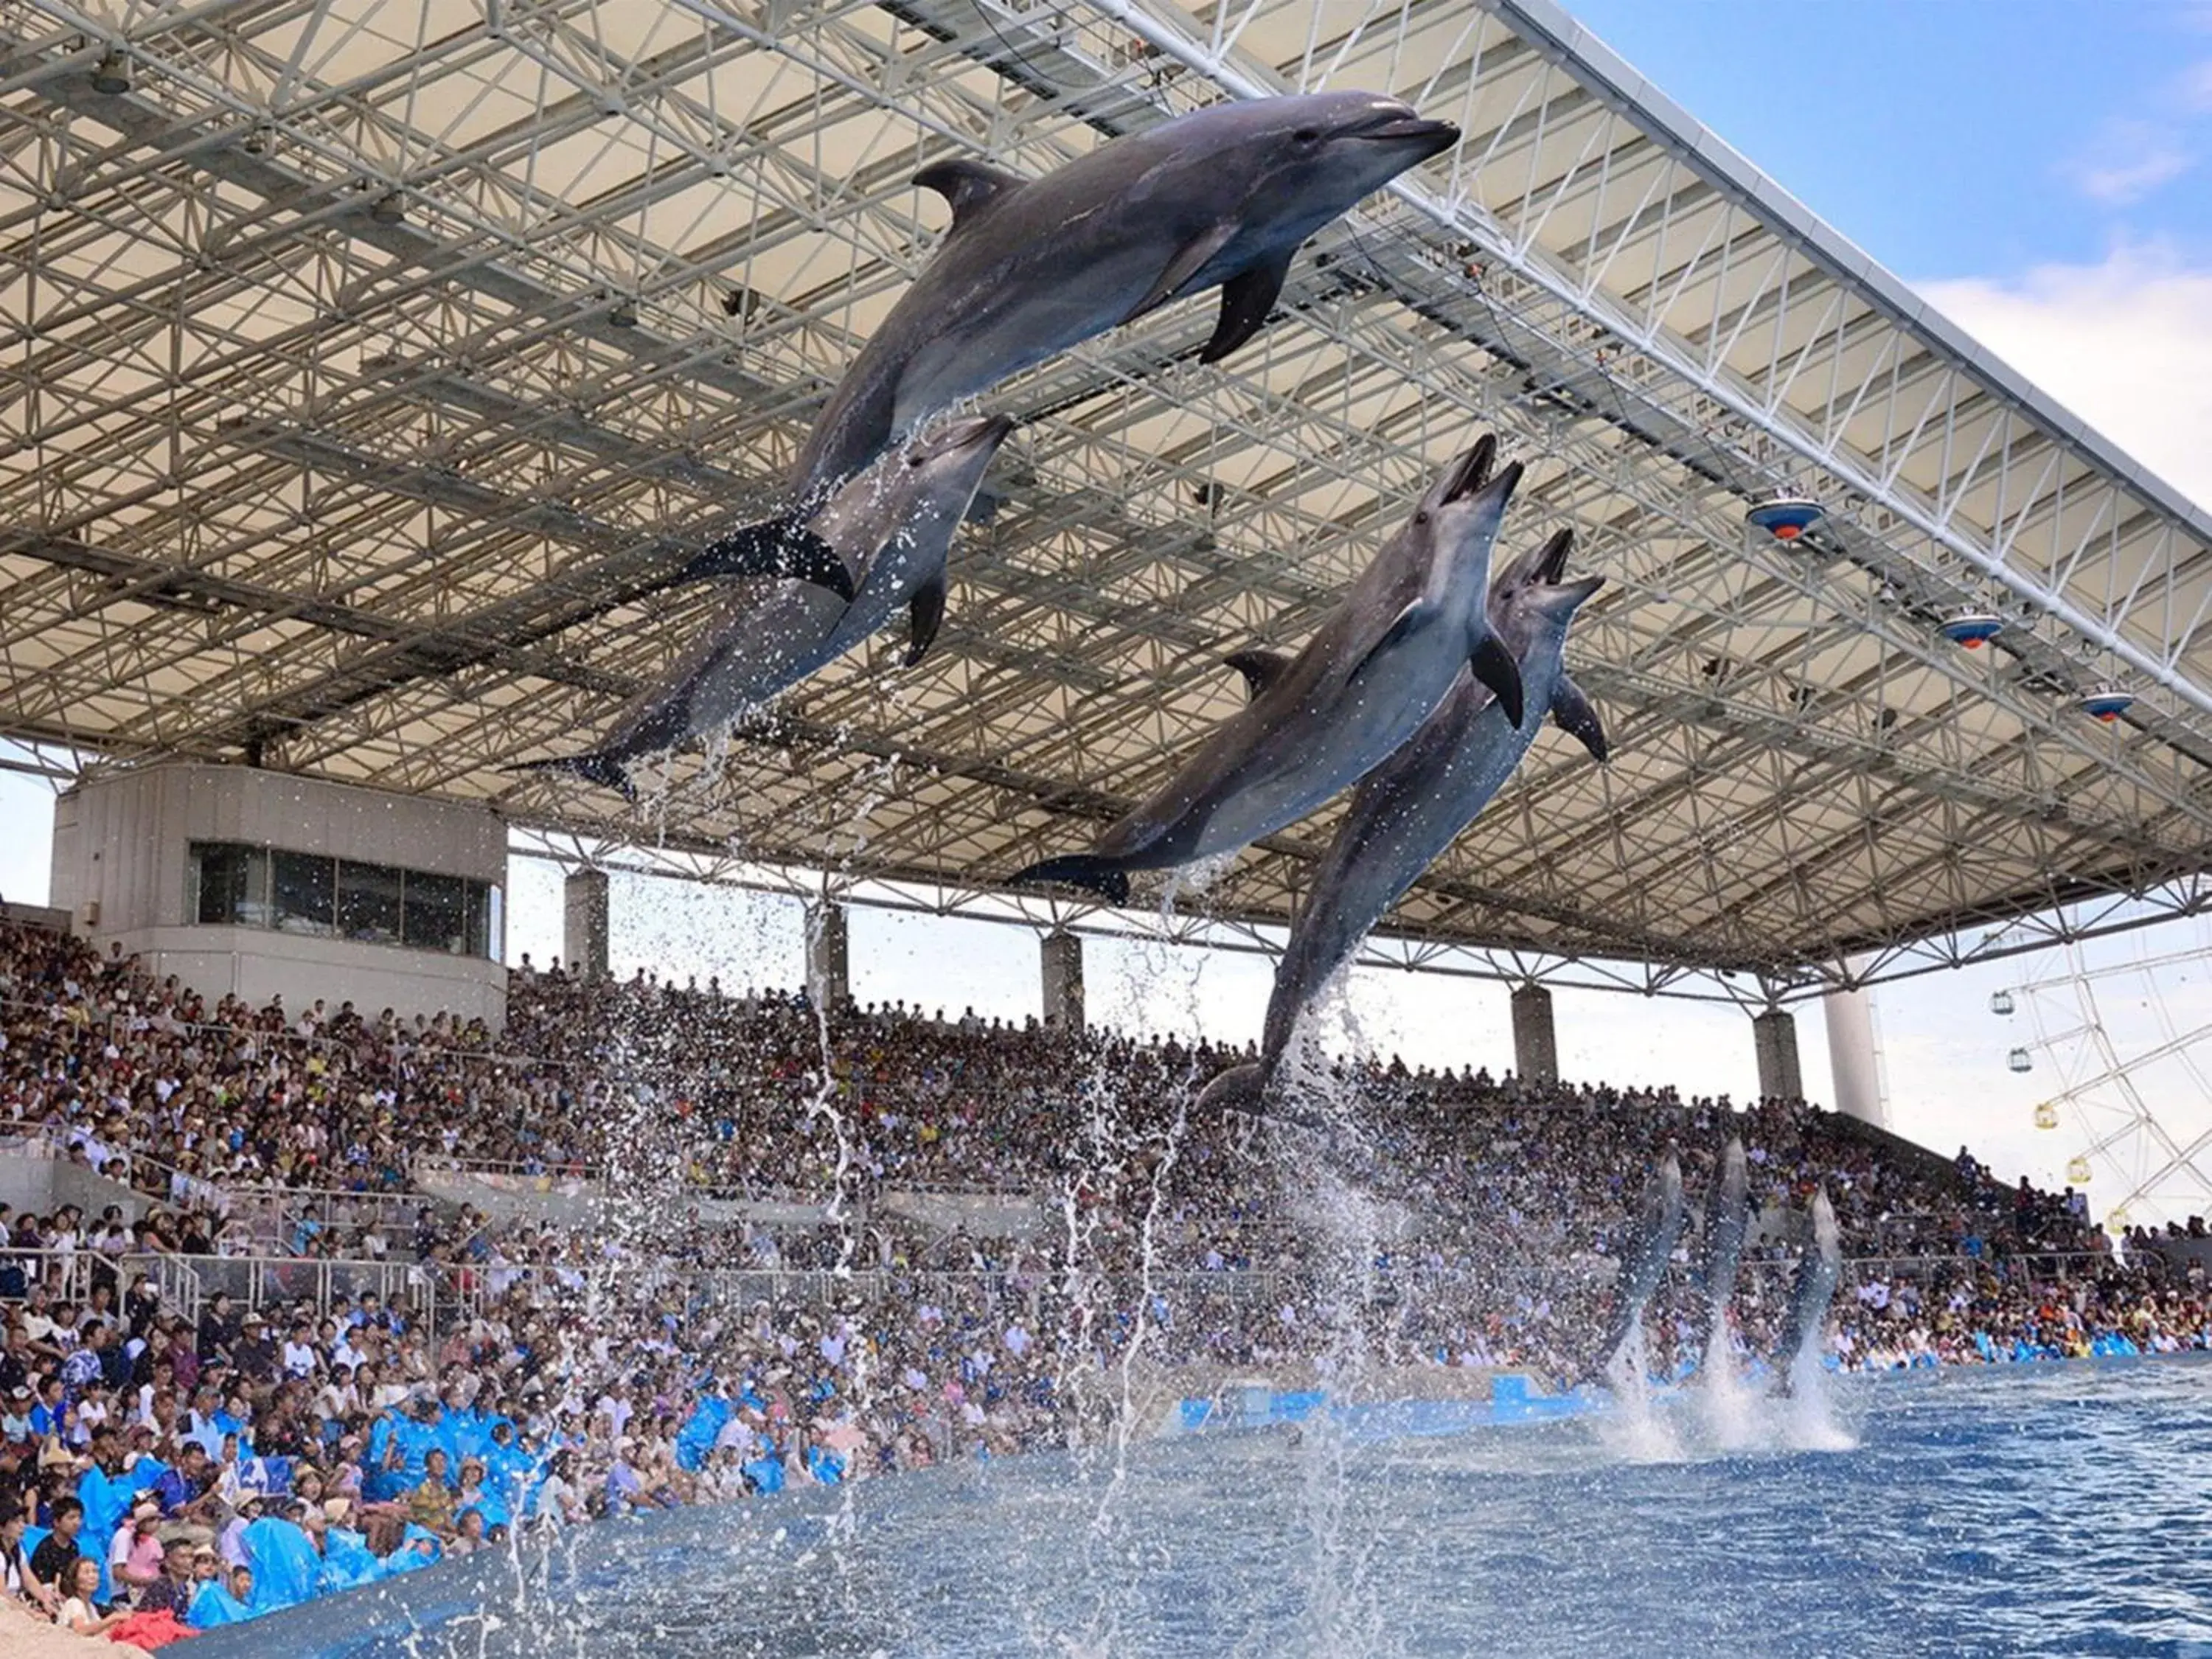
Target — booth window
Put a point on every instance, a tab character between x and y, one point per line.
306	898
239	886
233	886
370	902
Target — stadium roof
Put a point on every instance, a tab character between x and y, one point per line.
366	359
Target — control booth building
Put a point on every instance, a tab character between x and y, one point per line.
266	885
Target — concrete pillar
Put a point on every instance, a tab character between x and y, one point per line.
1061	956
1535	1042
1855	1056
829	956
1774	1040
584	923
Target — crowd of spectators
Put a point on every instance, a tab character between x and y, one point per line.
214	1467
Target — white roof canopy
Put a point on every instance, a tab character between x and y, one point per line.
326	437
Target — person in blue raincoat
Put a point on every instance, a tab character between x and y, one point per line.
219	1602
398	1444
509	1472
697	1437
285	1562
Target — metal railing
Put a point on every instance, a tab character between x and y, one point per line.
268	1213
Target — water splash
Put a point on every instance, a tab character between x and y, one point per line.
1728	1410
1638	1429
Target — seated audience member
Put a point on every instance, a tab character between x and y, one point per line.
80	1611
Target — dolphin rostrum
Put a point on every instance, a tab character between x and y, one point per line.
1419	801
1727	1208
1645	1261
888	529
1220	197
1818	1269
1374	670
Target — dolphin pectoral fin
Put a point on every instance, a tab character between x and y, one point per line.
602	769
967	186
1574	715
925	614
1088	871
773	547
1246	299
1493	665
1190	259
1415	615
1260	668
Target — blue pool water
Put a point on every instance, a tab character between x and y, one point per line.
2057	1510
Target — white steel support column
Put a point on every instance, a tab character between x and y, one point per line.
1855	1056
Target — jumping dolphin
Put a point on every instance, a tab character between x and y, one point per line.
1374	671
1220	197
888	529
1818	1269
1726	1211
1419	800
1645	1261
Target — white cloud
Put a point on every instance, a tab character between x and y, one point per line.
2126	344
2128	161
2196	86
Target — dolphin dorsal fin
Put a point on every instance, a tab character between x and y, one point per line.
967	186
1574	713
1260	668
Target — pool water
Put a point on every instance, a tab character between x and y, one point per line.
2057	1509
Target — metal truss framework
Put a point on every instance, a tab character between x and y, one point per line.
368	359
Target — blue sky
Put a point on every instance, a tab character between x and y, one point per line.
2044	173
1953	137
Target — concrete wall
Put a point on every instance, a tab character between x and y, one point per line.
122	843
42	1184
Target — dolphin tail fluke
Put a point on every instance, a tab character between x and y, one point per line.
602	769
775	547
1493	665
1102	876
1239	1089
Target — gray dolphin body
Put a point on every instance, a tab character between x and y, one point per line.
1219	197
890	528
1727	1211
1818	1270
1419	800
1644	1262
1378	666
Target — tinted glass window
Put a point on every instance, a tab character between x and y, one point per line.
369	903
232	885
304	901
231	880
436	908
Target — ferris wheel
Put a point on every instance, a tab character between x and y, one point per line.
2117	1035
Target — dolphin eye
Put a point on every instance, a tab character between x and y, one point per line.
1307	135
1421	517
913	460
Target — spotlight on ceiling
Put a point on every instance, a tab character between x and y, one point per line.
112	75
388	209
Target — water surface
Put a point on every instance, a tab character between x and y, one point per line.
2055	1509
